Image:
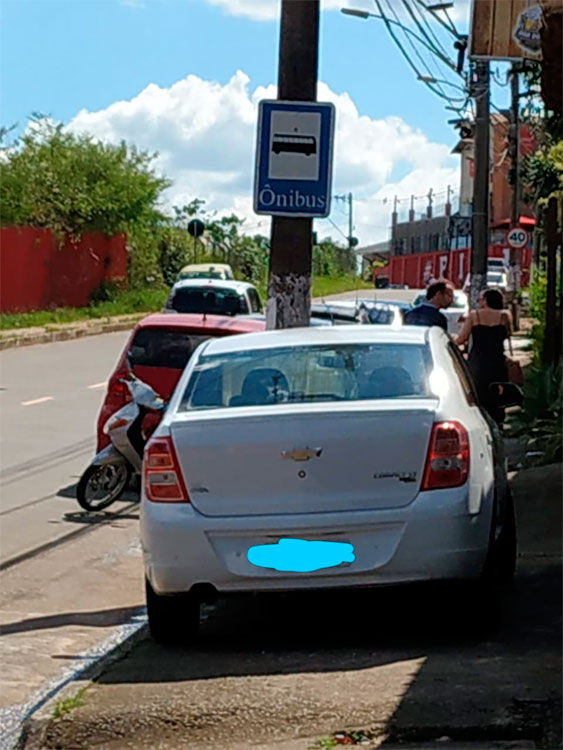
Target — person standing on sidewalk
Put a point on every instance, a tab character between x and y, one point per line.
439	295
488	327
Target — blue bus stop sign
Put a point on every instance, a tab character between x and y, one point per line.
294	158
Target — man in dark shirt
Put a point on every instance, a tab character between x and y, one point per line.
438	295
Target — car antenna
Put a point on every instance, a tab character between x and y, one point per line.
330	312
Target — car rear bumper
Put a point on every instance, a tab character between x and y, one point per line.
434	538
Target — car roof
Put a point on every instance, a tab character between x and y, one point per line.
206	266
203	322
239	286
321	335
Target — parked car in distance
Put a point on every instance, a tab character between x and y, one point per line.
159	349
497	264
455	314
338	312
206	271
213	297
497	279
381	313
323	458
346	312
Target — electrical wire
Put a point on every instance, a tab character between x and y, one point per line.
405	54
429	27
414	48
439	20
327	218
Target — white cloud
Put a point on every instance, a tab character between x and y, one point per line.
205	136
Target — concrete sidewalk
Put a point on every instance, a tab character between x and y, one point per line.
13	337
281	676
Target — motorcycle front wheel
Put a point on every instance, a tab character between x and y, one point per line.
100	486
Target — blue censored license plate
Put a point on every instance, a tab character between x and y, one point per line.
301	555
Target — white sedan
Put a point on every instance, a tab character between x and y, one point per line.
321	458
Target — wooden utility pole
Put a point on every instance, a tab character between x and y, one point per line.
289	284
480	240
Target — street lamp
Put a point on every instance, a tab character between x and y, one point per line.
439	6
358	13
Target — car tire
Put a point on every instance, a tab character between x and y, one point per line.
500	564
172	619
483	598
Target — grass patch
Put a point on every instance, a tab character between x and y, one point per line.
325	285
124	303
67	705
149	300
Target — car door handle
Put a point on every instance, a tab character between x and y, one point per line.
302	454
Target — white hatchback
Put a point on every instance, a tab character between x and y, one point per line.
320	458
213	297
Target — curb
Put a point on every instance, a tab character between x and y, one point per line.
48	335
38	714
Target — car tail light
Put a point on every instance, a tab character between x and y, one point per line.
162	475
447	463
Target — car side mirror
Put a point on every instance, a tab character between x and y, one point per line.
506	394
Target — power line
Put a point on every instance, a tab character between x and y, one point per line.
405	54
440	50
327	218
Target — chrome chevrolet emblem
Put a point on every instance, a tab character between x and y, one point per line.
302	454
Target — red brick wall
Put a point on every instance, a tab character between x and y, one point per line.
37	274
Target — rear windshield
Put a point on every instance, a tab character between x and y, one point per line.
302	374
201	275
158	347
210	301
378	315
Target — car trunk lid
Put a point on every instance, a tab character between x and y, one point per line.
304	460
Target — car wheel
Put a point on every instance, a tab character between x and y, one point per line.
483	598
500	565
172	619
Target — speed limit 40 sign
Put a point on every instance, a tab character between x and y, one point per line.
517	238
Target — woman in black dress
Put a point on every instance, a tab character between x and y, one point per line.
488	327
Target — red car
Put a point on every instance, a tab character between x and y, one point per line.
159	348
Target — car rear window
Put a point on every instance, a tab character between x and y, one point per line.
201	275
161	347
307	374
210	301
377	315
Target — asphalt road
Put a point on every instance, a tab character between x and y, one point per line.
49	400
68	578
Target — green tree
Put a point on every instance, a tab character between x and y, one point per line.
69	183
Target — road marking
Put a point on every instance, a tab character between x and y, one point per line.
37	401
98	385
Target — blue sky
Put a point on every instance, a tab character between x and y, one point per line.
76	59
